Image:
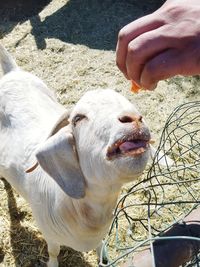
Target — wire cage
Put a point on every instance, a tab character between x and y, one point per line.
167	194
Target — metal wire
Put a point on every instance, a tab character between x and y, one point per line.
165	196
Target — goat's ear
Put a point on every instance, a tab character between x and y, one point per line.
57	156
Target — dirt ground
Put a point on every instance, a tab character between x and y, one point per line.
70	44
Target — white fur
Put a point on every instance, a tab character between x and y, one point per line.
28	113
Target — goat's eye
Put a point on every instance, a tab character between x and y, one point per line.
78	118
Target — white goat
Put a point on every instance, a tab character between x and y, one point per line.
83	157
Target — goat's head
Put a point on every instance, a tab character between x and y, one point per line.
106	141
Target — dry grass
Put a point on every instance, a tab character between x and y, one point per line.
70	44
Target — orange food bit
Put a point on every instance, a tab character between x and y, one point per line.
135	87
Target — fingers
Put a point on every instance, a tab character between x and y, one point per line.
165	65
161	45
130	32
160	54
145	47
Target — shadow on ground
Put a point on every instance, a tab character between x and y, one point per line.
93	23
20	10
28	248
13	12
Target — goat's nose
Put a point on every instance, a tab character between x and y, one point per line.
130	118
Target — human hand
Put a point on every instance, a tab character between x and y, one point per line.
161	45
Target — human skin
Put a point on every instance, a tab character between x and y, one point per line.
161	45
172	253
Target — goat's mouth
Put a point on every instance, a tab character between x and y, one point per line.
129	148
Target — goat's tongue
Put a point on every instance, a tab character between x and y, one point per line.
132	145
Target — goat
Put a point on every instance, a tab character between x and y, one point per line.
83	156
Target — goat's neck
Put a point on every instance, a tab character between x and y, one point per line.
102	194
93	213
98	204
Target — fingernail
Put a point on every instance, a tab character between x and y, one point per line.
126	76
153	87
150	88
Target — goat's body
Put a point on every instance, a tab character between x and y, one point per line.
82	166
26	118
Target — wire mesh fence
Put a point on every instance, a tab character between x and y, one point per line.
167	194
